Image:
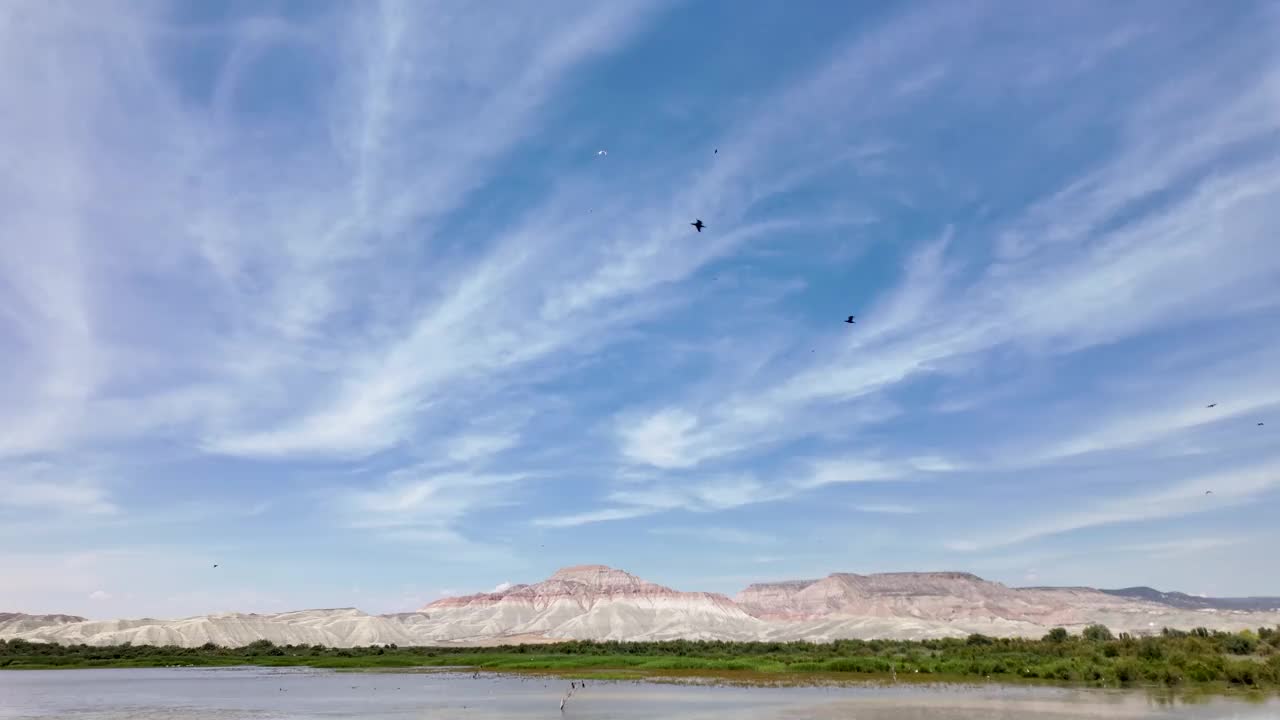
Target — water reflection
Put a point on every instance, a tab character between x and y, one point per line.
295	694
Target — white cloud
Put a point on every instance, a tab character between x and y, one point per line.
850	470
501	587
280	290
705	495
886	509
470	448
661	439
1186	497
1088	270
1183	546
1169	406
99	595
422	507
593	516
54	488
436	496
284	223
725	535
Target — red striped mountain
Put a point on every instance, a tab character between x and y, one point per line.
592	601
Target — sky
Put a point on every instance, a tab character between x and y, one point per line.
346	299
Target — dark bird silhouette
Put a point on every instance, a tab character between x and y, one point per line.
698	225
1208	492
1261	424
851	320
1212	405
215	564
717	152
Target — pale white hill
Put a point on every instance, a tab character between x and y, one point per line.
345	627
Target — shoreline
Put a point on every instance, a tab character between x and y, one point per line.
1202	659
713	678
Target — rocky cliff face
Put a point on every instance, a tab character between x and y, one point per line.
601	603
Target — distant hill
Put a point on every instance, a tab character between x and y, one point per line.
595	602
14	623
1195	602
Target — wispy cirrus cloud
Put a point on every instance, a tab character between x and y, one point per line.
422	499
1185	546
1140	243
56	488
1186	497
886	509
694	495
724	535
370	249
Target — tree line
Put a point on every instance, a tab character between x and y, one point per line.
1096	656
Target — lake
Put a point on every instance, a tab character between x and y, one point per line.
246	693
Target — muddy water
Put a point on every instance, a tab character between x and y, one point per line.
305	694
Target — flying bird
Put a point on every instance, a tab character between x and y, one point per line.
1260	424
717	152
698	224
851	320
1211	405
215	564
1208	492
602	153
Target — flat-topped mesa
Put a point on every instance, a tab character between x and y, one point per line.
602	578
944	595
580	584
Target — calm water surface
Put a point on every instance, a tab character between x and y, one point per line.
301	694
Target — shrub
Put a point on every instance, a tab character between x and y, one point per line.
1097	633
1149	649
1170	676
1242	673
1201	672
1239	644
1057	635
1127	671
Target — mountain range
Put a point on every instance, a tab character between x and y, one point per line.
596	602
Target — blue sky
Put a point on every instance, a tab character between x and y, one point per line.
342	298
